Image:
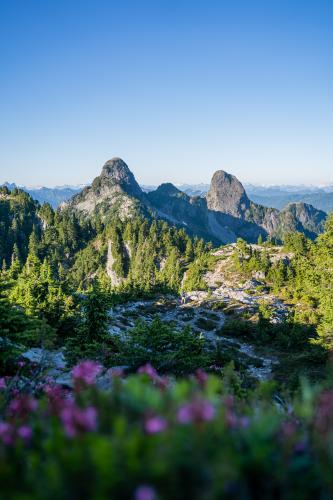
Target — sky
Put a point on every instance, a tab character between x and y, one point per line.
177	88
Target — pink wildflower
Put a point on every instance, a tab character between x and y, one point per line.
201	376
22	405
154	425
55	395
2	383
149	370
160	382
24	432
86	372
6	433
196	411
78	420
145	492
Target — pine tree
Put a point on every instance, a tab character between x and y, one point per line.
189	253
96	315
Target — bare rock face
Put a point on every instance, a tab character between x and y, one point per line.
227	195
115	171
115	279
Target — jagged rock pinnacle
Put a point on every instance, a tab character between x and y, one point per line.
227	194
118	172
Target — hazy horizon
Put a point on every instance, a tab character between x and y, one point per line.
177	89
148	184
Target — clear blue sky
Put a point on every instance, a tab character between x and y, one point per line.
177	88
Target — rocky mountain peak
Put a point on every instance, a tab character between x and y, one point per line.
115	189
226	214
116	171
226	194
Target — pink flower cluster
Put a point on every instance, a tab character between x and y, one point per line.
145	492
77	420
85	373
232	420
18	412
148	369
9	433
155	425
22	405
201	376
56	396
197	411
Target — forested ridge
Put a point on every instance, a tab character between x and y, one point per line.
50	258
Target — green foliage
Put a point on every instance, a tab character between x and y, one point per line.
277	276
297	243
19	332
323	281
42	296
18	218
160	344
146	256
248	260
90	338
88	262
194	277
196	438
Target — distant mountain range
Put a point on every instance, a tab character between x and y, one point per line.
273	196
54	196
223	215
321	197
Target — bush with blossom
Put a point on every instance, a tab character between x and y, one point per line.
151	437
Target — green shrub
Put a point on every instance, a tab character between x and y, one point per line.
162	345
196	438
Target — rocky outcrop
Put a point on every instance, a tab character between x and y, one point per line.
115	190
115	279
115	172
303	218
226	194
